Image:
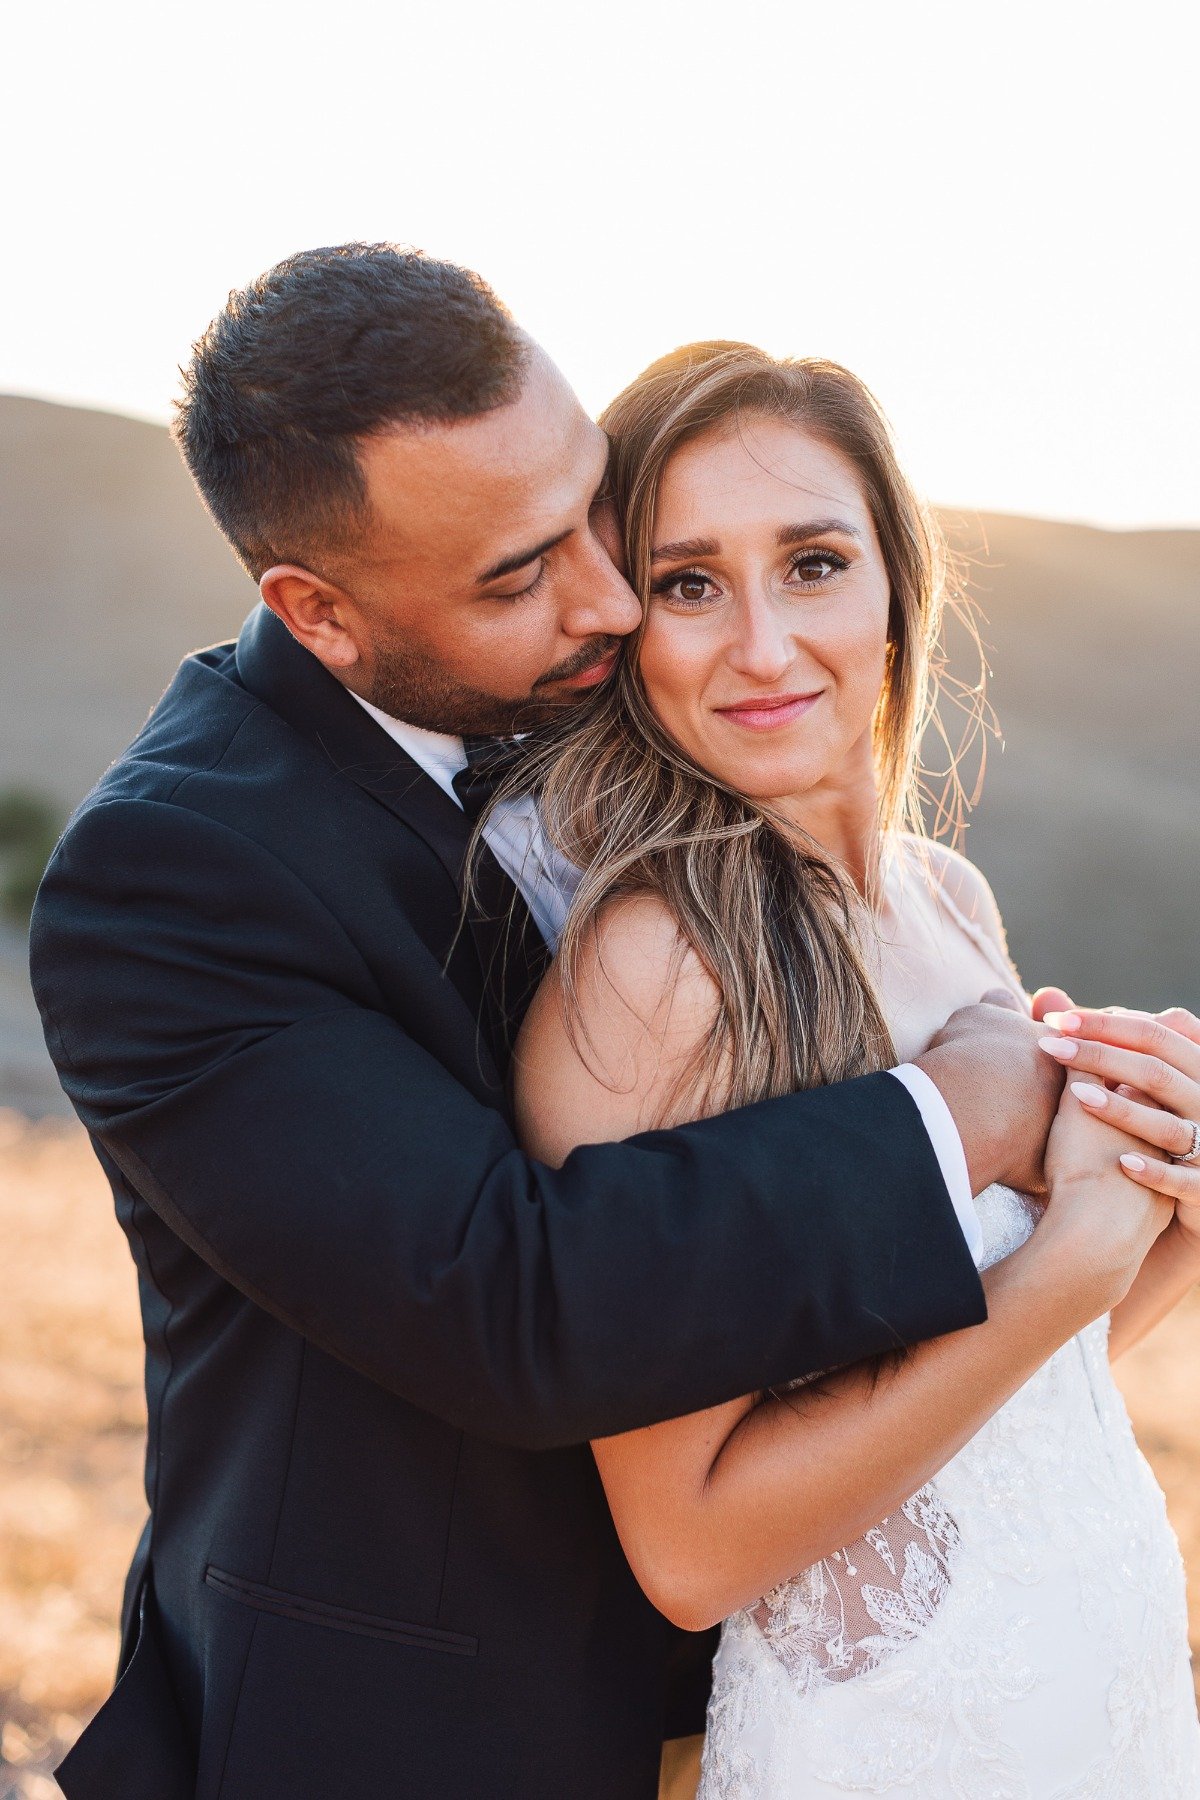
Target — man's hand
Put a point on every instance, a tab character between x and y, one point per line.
1002	1090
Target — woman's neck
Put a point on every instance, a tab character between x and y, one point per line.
844	820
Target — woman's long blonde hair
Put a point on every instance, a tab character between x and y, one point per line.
764	908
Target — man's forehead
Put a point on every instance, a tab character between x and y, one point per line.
521	464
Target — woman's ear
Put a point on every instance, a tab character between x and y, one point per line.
314	611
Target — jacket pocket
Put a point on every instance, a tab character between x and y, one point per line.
336	1618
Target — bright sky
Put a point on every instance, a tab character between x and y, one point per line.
988	210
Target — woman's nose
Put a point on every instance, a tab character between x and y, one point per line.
761	648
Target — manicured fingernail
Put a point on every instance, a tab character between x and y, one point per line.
1135	1164
1062	1048
1063	1021
1090	1095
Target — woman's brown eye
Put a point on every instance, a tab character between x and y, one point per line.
691	587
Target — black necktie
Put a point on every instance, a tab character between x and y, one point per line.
489	761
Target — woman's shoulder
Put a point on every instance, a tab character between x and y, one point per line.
612	1042
958	879
632	957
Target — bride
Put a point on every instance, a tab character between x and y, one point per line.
917	1597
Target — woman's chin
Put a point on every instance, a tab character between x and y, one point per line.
775	788
768	775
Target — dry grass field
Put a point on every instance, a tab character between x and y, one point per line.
71	1441
71	1424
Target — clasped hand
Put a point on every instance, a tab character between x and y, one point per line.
1137	1073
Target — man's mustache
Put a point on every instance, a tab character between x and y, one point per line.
585	658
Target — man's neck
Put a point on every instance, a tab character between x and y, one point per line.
436	739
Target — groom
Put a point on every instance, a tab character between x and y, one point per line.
378	1559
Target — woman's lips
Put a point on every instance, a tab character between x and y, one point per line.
768	712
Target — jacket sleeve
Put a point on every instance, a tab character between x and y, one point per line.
206	1013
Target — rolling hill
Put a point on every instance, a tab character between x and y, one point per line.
110	572
1089	826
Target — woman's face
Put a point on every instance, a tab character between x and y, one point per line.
766	634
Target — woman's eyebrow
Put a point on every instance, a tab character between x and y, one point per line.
685	549
800	534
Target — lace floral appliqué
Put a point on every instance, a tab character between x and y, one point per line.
849	1611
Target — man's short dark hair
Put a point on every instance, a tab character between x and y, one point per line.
324	349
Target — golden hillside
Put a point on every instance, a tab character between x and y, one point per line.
1089	826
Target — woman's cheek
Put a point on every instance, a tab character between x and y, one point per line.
660	670
866	652
668	664
858	665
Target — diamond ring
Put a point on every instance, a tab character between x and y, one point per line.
1192	1155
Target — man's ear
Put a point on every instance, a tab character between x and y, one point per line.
314	611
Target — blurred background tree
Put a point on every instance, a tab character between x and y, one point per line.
29	828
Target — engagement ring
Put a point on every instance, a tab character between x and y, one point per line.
1192	1155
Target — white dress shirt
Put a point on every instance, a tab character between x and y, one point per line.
547	880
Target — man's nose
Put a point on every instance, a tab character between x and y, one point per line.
602	603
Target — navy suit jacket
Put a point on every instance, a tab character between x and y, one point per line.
378	1336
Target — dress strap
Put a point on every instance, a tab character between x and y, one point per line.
978	934
983	939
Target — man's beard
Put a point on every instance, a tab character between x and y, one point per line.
409	685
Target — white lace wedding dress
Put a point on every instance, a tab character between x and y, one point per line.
1018	1630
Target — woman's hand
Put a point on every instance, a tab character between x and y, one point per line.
1102	1228
1140	1073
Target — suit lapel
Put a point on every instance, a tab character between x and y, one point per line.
511	954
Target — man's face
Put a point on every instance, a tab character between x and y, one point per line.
481	599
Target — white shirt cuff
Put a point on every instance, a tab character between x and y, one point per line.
938	1121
